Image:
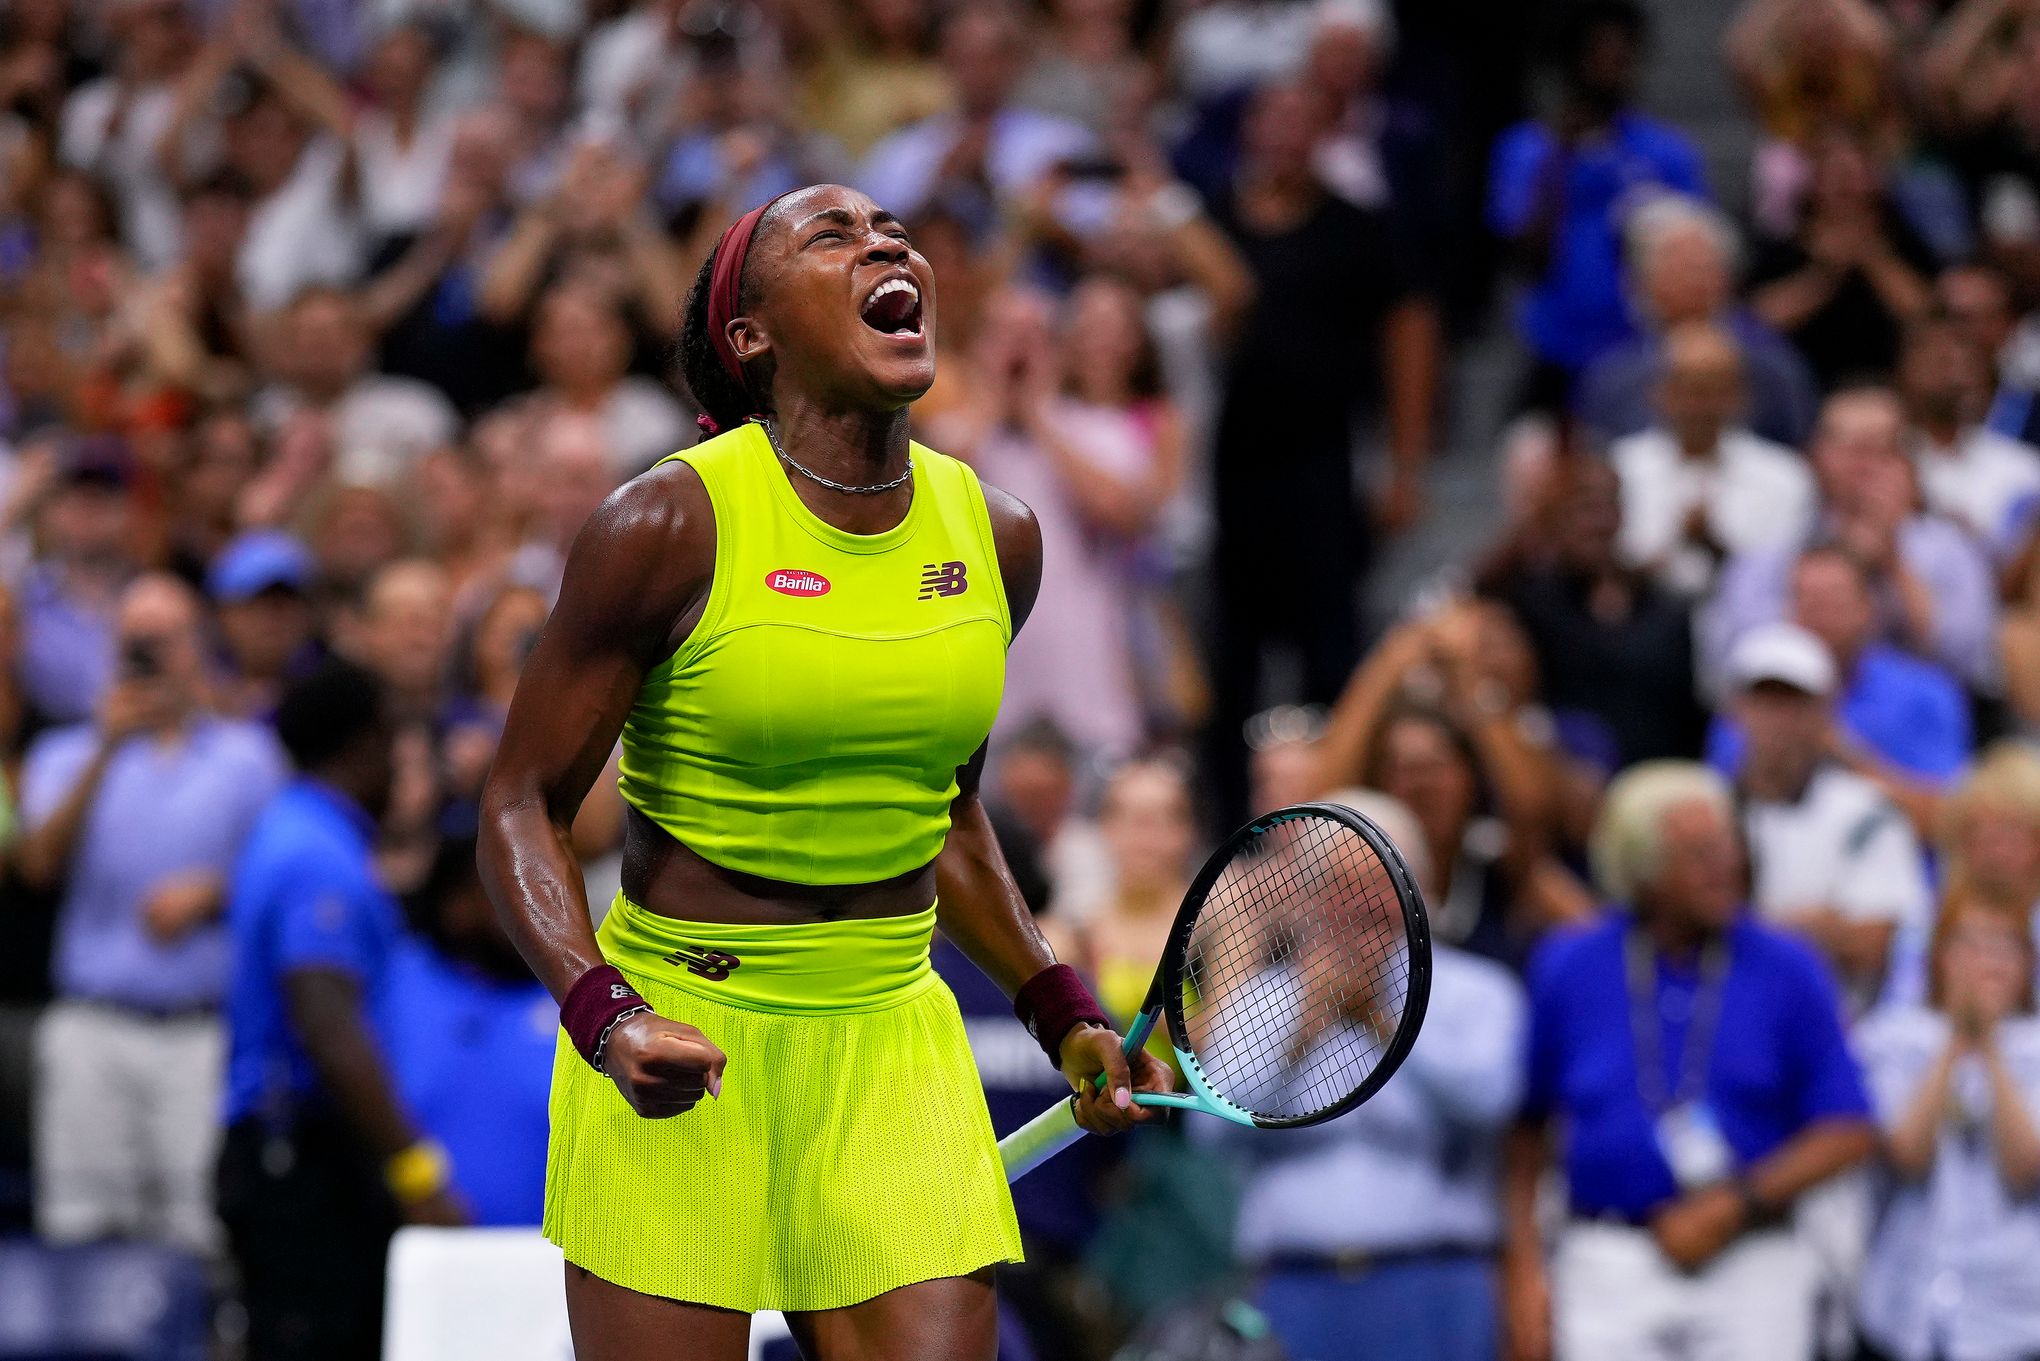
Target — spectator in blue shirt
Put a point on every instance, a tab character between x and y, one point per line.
135	819
321	1161
471	1036
1696	1063
1901	716
1562	190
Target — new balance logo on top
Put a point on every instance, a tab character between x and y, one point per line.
619	991
714	965
944	579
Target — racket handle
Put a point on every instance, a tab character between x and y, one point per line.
1040	1139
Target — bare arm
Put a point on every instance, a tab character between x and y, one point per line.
1785	304
394	292
1910	1142
1750	47
1413	346
641	563
1350	734
980	907
194	92
326	1015
46	849
1209	260
1918	799
1955	64
1526	1289
304	85
513	272
2011	1126
1809	1158
1897	283
634	583
657	273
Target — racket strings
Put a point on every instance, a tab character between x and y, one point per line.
1297	973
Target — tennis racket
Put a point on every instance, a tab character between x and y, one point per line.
1293	982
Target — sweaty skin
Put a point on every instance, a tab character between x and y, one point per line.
635	584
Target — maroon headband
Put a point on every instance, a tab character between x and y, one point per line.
726	282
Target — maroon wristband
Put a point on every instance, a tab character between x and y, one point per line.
1052	1004
597	998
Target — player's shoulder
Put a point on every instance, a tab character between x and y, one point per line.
648	546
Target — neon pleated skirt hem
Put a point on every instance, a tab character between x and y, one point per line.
849	1154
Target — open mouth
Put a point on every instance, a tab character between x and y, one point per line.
894	308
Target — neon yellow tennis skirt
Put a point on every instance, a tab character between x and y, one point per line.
849	1154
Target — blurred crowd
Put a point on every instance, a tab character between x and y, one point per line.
325	323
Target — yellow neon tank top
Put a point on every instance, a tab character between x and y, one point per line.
810	727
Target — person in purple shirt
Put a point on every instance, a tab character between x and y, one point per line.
1562	189
135	818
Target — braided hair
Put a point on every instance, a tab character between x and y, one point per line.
725	401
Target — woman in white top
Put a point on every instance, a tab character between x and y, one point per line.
1954	1266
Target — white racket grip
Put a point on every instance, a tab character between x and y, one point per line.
1040	1139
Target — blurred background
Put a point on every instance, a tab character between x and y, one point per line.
1439	405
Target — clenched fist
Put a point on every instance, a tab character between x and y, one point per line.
662	1067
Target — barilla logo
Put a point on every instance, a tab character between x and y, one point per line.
797	583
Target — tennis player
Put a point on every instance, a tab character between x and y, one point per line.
763	1097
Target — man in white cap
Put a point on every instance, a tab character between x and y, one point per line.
1830	855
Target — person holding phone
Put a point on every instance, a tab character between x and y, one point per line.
134	819
763	1097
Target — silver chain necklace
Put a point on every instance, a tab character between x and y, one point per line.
873	489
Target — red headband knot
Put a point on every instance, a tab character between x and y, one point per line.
726	282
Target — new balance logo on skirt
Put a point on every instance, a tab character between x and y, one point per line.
944	579
714	965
